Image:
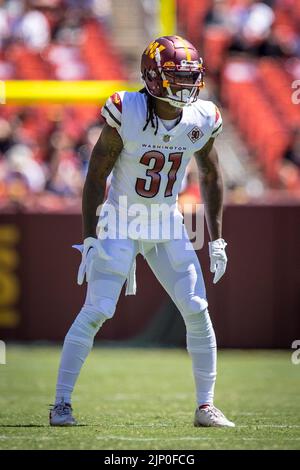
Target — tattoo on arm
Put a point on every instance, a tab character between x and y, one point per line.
211	188
103	158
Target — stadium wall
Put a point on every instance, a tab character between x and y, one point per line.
255	305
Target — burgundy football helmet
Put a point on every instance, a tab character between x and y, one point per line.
172	70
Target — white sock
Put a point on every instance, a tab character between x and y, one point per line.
201	345
77	345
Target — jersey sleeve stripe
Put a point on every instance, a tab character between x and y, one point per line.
216	130
112	116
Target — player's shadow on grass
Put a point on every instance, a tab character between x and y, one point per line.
39	426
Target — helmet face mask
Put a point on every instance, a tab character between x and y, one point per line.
172	71
182	87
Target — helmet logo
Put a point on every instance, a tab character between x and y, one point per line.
116	99
150	51
169	64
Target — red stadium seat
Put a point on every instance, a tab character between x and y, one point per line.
216	42
103	61
29	65
261	126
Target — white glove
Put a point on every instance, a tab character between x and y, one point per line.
93	247
218	258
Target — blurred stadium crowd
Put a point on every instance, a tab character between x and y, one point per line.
44	150
252	54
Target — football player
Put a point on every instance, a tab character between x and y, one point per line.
147	141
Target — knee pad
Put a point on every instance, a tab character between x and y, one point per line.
190	303
193	305
85	326
189	289
200	333
90	317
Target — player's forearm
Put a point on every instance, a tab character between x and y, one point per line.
103	157
212	194
93	196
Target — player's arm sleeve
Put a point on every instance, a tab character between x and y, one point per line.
112	110
217	122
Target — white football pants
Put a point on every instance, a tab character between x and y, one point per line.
179	272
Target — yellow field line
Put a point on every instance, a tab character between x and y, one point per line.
62	92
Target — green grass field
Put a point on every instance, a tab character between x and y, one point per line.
144	399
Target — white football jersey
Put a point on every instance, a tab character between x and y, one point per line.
151	167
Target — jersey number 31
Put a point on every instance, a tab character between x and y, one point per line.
154	173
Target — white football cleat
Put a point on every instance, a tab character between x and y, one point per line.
61	415
211	416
